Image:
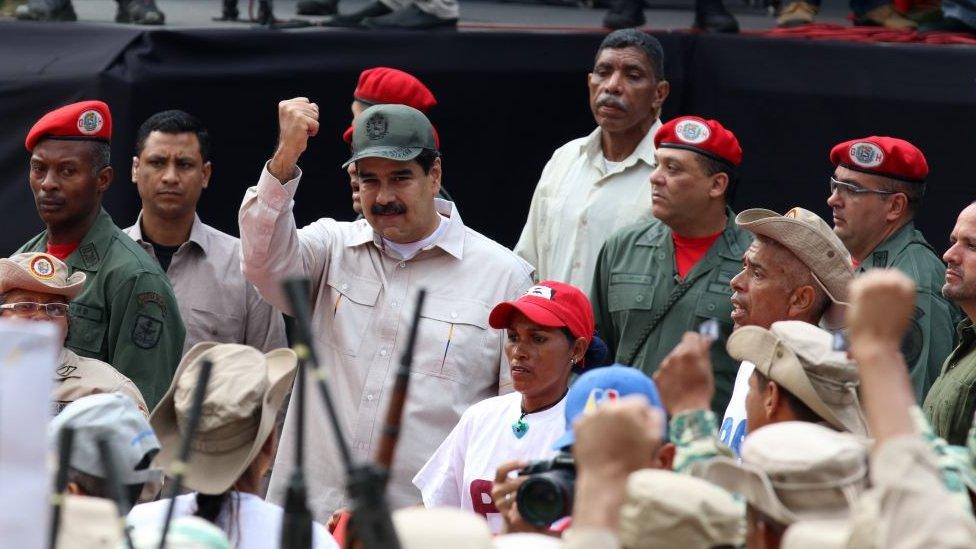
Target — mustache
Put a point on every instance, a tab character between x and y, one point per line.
610	101
393	208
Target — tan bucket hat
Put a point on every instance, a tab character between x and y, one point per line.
420	528
40	272
795	470
245	394
664	509
811	239
800	358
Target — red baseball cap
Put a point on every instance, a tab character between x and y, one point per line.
885	156
383	85
551	304
86	120
706	137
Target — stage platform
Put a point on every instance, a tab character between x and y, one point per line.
509	92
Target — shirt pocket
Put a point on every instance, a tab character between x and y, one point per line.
628	291
213	326
353	301
86	331
452	340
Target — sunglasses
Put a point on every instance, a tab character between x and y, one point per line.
850	189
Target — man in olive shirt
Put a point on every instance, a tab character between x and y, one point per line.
951	402
657	280
126	315
875	190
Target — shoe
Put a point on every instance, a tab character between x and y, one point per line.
317	7
624	14
796	14
46	10
410	17
711	16
884	16
355	18
947	24
139	12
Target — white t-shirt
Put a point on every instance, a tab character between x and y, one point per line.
407	251
734	427
460	472
258	524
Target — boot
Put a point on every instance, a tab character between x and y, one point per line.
46	10
711	16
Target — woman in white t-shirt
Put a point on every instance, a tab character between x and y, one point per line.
233	446
550	333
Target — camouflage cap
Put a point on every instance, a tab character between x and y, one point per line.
395	132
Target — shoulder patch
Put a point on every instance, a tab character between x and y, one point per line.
89	255
146	331
151	297
880	259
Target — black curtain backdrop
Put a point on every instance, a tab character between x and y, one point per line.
506	101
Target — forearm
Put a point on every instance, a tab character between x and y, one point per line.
598	500
886	391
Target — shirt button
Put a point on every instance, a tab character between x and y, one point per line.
369	398
402	265
640	297
453	314
711	306
383	352
395	304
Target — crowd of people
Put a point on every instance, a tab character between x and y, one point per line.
647	367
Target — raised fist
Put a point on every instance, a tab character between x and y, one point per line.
882	304
684	377
298	119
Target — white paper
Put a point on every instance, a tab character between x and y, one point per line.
28	353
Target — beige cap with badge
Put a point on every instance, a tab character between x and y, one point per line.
40	272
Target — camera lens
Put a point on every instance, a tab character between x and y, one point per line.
541	501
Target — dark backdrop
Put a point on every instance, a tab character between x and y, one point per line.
507	101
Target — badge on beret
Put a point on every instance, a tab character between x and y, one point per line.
41	267
545	292
692	131
866	155
90	122
377	127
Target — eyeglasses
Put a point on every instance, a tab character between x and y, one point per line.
850	189
53	310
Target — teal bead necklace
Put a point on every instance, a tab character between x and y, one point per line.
520	427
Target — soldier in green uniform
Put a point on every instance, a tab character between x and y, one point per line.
875	190
656	280
126	315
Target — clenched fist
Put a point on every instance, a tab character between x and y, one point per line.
298	119
882	303
684	378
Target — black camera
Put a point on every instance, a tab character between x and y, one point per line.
547	494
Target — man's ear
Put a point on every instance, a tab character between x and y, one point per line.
720	182
801	301
135	168
104	179
771	399
435	176
207	172
74	489
660	94
897	206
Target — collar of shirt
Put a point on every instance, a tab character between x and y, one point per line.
592	147
198	233
885	253
94	246
452	241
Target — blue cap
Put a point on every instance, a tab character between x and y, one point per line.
599	385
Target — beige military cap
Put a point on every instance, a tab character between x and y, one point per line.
794	471
420	528
39	272
246	391
664	509
800	358
92	523
811	239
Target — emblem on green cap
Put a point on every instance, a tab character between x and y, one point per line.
377	127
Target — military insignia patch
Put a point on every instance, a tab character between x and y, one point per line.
41	267
151	297
692	131
90	122
866	155
545	292
377	127
89	255
146	331
880	259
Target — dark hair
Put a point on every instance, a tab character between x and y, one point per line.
100	154
172	122
633	38
96	487
209	507
797	406
712	166
913	191
597	354
426	159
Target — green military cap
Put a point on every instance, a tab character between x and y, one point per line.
395	132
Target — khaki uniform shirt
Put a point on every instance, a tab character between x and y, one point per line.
215	301
951	402
931	334
127	315
79	377
363	298
636	279
578	203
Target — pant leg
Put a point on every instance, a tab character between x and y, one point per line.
963	10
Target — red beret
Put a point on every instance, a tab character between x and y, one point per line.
706	137
383	85
886	156
89	120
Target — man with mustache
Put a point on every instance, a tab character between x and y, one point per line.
595	185
127	315
951	401
875	190
171	169
365	276
656	280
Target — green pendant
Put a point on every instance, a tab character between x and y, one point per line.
520	427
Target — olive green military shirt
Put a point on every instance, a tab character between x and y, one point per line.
951	402
127	315
635	279
931	334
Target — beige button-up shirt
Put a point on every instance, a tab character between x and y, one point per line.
362	303
79	376
578	203
215	301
